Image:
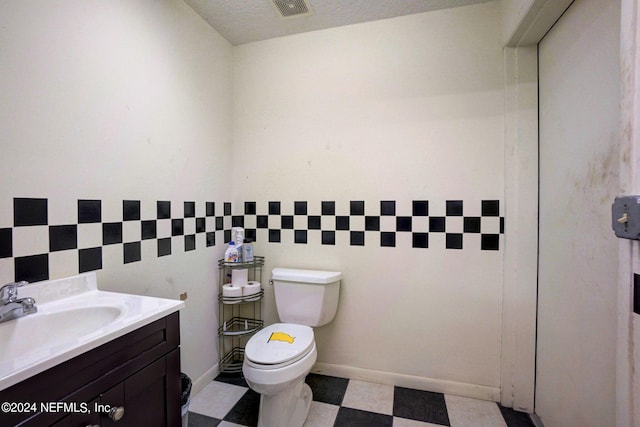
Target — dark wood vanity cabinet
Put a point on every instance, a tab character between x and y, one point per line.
131	381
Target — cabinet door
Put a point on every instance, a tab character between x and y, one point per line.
112	408
142	396
81	420
65	422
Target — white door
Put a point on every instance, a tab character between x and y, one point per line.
579	121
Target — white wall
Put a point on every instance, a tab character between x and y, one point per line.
628	336
578	263
118	100
144	88
532	27
405	109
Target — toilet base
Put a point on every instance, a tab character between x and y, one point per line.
286	409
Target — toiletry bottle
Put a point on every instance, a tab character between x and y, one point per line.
237	236
231	254
247	250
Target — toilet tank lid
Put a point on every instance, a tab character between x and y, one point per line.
305	276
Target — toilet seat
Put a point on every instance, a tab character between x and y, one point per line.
279	345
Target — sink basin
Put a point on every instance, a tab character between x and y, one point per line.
28	333
29	336
73	317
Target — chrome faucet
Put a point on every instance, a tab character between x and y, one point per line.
11	306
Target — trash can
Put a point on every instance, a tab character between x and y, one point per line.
185	398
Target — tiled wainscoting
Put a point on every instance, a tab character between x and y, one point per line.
33	246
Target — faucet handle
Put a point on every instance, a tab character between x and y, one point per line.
10	291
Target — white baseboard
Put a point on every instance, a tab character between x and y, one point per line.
382	377
201	382
409	381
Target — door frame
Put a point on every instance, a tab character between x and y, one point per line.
521	217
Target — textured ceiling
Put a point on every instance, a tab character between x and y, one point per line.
244	21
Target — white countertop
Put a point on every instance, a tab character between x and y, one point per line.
73	317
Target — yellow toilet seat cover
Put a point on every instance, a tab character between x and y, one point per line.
279	343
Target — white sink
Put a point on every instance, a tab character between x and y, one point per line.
73	317
43	331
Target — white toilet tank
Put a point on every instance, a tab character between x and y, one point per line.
306	297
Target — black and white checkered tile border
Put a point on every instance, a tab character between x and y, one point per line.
374	224
90	233
380	227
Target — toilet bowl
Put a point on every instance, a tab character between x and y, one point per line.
278	358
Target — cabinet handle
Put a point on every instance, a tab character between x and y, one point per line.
93	425
116	413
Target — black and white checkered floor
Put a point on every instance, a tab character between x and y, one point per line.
339	402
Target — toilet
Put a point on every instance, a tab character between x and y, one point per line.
278	358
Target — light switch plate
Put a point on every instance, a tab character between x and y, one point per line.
625	217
